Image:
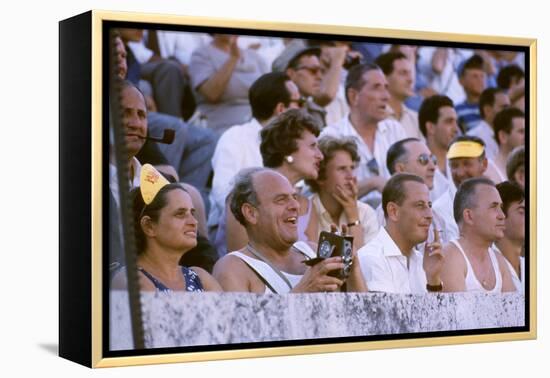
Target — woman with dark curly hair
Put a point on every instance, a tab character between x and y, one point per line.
165	229
289	146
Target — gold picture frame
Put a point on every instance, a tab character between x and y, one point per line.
83	335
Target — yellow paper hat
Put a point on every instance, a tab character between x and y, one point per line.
465	149
150	183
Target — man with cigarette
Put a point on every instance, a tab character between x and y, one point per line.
390	262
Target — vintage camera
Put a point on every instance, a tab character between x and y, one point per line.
332	245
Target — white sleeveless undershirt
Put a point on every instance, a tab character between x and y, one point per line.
471	281
270	275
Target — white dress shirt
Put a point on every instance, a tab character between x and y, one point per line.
237	148
443	214
409	121
133	183
386	269
441	184
485	132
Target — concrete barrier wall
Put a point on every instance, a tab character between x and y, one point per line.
184	319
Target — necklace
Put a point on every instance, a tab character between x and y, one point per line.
484	273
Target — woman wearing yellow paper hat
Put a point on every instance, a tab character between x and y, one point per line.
165	229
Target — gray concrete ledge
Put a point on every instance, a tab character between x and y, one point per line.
185	319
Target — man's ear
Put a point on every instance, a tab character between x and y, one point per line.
430	128
279	108
250	213
291	73
487	109
502	137
467	216
399	167
393	211
352	95
484	164
147	225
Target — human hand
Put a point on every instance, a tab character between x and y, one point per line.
316	278
346	196
234	51
433	259
335	56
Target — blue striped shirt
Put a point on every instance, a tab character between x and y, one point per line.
468	115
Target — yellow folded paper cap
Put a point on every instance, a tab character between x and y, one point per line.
150	183
465	149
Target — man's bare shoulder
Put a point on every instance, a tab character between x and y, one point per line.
234	274
454	259
451	252
229	261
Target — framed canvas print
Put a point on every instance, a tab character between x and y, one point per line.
234	189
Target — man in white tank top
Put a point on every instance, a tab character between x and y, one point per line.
512	244
470	262
265	203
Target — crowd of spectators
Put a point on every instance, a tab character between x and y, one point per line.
417	152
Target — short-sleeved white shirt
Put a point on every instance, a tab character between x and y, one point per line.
386	269
409	121
443	214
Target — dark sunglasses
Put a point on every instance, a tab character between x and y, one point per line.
314	70
424	159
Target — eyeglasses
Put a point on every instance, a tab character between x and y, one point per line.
299	102
314	70
372	166
424	159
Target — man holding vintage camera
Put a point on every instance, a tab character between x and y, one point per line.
264	202
390	262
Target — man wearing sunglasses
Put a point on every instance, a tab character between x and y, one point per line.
411	156
303	66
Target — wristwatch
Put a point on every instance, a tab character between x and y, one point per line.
434	288
356	223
